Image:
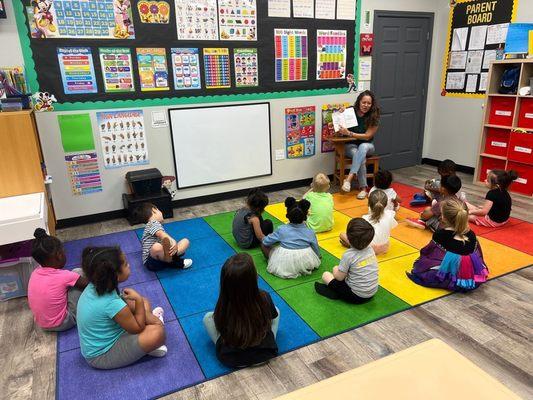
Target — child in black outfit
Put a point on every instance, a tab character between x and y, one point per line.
249	227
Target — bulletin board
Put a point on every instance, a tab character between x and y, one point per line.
476	35
143	42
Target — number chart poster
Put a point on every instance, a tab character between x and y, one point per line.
77	70
300	131
291	54
331	54
327	125
186	68
476	36
89	19
237	19
153	72
123	138
217	70
117	69
84	173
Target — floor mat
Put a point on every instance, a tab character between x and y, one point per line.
517	236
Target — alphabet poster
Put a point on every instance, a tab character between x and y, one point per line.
197	19
476	36
300	131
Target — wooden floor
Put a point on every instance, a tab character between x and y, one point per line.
492	326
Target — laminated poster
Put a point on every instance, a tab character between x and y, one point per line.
154	12
328	129
186	68
331	54
117	69
325	9
77	70
291	54
153	72
303	8
279	8
217	69
246	68
84	173
88	19
197	19
300	131
237	19
123	138
346	9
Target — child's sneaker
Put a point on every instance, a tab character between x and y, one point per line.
161	351
187	263
419	196
159	313
416	223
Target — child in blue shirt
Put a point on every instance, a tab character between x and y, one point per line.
298	252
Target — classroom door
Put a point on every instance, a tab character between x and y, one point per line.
400	69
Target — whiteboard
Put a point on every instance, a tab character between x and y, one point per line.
220	143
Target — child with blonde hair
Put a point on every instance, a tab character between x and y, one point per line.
320	217
453	259
381	219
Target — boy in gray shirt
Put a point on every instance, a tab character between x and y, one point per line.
355	280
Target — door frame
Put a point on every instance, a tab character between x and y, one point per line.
430	17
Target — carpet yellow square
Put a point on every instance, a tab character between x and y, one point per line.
278	210
341	222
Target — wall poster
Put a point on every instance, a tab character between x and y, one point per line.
300	131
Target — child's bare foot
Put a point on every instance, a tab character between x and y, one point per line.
166	248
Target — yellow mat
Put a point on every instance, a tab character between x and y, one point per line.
341	222
430	370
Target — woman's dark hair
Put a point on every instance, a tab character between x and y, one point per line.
44	248
101	266
446	167
257	200
243	314
452	183
297	210
383	179
502	178
360	233
373	115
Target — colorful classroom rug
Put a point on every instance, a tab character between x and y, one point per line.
305	316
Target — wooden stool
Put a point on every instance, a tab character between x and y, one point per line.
342	163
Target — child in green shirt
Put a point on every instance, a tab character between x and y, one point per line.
320	217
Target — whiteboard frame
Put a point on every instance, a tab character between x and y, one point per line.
220	106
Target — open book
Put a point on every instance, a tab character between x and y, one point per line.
346	119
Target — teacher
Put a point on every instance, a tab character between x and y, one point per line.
367	113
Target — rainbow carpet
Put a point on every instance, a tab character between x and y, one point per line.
305	316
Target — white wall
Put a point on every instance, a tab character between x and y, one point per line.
10	51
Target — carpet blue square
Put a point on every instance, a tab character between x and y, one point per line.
139	273
191	229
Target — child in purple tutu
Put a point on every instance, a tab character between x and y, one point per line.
453	259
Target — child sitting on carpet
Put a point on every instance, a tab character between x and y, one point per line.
497	207
115	330
453	259
381	219
160	250
432	186
383	181
298	252
249	228
245	321
320	217
355	279
53	292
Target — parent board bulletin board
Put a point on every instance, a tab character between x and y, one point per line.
122	53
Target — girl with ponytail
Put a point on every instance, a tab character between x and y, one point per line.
115	329
298	252
382	220
453	259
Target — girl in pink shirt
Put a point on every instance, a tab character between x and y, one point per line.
53	292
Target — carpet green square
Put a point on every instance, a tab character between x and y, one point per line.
221	223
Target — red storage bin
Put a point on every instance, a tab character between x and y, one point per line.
502	110
488	164
524	183
497	142
525	116
521	148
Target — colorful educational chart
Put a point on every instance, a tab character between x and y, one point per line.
217	69
237	19
83	19
154	12
246	67
77	70
291	54
300	131
476	36
123	138
186	68
196	19
327	125
117	69
279	8
153	72
331	54
84	173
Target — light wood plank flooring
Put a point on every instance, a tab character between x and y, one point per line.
491	326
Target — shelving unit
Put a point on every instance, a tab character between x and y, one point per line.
501	144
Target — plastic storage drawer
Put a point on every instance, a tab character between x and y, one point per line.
488	164
524	183
521	148
525	114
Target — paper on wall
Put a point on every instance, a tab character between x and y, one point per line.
325	9
490	55
471	83
303	9
474	62
455	81
291	56
459	39
197	19
346	9
331	54
159	119
153	72
84	173
497	33
237	19
279	8
477	37
365	69
186	68
458	60
483	78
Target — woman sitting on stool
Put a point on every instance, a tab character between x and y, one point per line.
367	112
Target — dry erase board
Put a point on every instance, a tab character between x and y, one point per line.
476	36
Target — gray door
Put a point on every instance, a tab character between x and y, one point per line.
400	69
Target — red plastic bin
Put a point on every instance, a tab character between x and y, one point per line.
501	111
525	115
524	183
497	142
488	164
521	148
